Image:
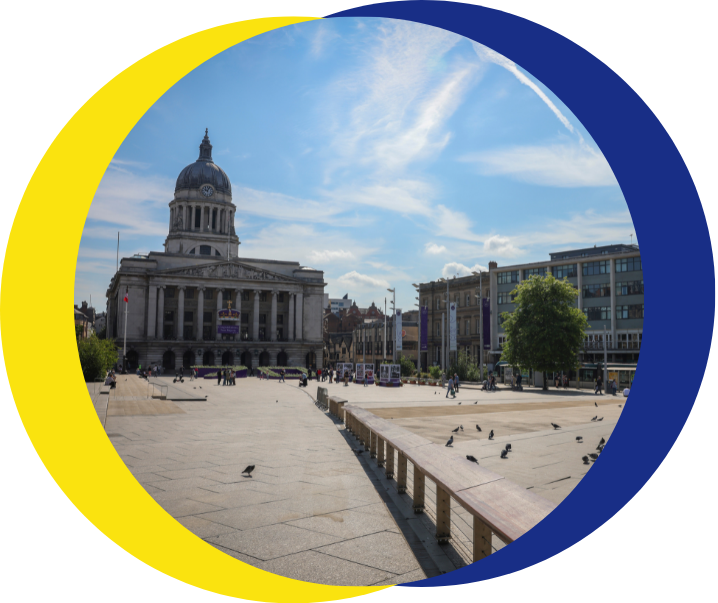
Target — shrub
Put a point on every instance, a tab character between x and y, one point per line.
97	356
435	372
407	366
465	368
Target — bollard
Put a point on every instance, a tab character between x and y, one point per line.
482	539
401	476
389	461
380	452
419	488
443	515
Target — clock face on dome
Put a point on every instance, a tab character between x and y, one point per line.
207	190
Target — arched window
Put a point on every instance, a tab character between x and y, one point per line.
205	250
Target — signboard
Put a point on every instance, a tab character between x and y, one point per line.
228	329
424	332
487	322
367	370
360	372
452	327
398	331
389	373
344	367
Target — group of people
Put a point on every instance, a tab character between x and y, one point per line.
516	382
490	383
226	377
111	379
452	386
612	386
560	381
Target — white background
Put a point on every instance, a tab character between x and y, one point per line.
659	547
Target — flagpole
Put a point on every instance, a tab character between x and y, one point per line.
124	345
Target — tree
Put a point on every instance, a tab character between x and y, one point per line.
407	366
97	356
546	331
464	368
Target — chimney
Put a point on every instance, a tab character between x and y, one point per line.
493	265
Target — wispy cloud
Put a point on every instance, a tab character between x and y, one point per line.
321	39
486	54
355	280
434	249
561	165
331	255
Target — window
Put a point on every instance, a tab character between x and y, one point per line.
280	297
197	217
438	330
189	293
263	296
205	250
216	252
207	333
244	333
245	318
227	295
534	272
605	252
187	332
628	264
438	303
602	267
169	293
506	297
565	271
632	311
189	316
505	278
597	290
468	299
262	333
169	332
207	317
280	319
280	333
629	341
426	302
169	315
262	319
598	313
214	219
467	330
630	288
502	341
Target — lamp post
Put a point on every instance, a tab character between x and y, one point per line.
418	324
393	307
481	323
447	351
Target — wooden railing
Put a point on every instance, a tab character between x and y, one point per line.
497	505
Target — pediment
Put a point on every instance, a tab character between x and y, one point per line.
231	270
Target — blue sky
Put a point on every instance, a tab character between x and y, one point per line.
382	152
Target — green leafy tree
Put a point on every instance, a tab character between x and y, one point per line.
407	366
435	372
546	330
465	368
97	356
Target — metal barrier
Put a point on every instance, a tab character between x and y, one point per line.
496	505
163	388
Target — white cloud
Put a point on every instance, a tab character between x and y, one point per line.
500	246
402	196
454	268
356	280
561	165
322	37
331	255
434	249
486	54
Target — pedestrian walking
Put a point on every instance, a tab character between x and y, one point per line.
219	377
365	383
449	387
456	382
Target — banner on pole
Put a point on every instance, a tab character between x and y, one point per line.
397	331
452	327
487	322
424	329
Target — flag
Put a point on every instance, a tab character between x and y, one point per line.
127	296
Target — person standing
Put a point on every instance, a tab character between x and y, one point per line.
365	383
456	382
219	377
449	387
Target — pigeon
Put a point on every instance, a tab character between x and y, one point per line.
595	404
594	418
491	435
601	419
508	447
194	388
602	442
593	456
478	428
579	439
200	387
600	448
459	403
504	454
357	451
585	460
556	426
249	470
454	430
451	441
476	402
462	427
472	459
620	406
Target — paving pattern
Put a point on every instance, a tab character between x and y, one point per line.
311	510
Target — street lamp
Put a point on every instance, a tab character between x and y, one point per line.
418	324
481	323
393	307
448	344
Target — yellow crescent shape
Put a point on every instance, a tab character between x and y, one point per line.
63	427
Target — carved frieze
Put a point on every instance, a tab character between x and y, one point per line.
227	270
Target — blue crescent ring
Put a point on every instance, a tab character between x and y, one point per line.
654	180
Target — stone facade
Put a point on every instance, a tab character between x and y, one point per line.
175	296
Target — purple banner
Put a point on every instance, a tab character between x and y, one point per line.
424	328
228	329
487	322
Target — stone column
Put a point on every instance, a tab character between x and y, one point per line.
180	314
273	333
255	317
152	312
200	313
389	461
217	336
161	312
300	311
580	286
494	321
613	303
290	326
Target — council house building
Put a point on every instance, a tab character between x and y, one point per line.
198	303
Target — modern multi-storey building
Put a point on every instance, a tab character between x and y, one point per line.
610	284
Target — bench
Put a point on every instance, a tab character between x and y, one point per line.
496	504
